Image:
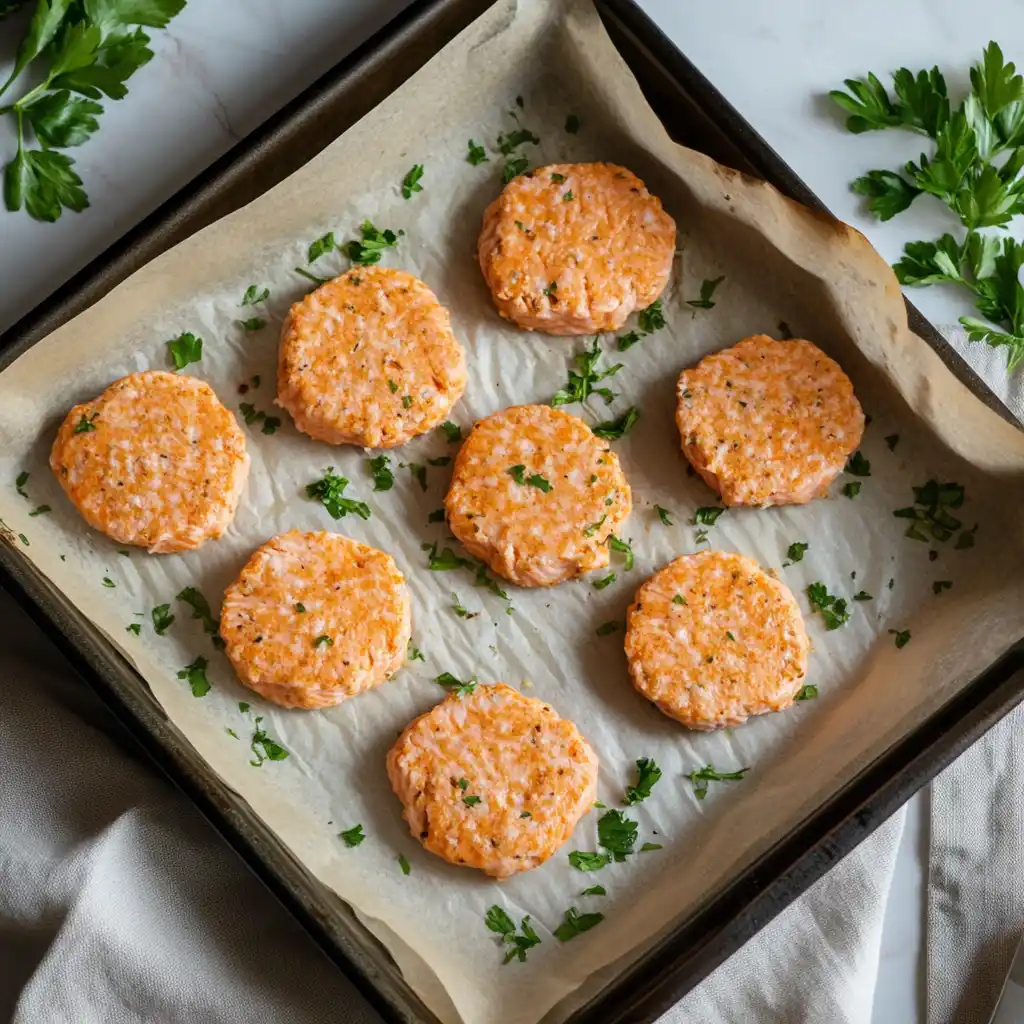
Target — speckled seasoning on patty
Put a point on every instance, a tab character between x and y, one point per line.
712	639
314	618
575	248
536	495
369	359
493	780
768	422
156	461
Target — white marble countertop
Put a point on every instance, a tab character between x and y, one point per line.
223	67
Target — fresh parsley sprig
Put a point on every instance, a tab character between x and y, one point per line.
583	380
329	491
700	777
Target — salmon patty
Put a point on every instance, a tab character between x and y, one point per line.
712	639
369	359
315	618
575	248
155	461
768	422
536	495
493	780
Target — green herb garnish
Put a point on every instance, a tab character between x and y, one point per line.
498	921
162	619
324	639
575	924
196	676
707	289
352	836
477	154
185	349
930	512
623	549
369	248
535	480
411	182
329	492
707	515
582	380
852	489
806	692
455	685
700	778
833	609
795	551
452	431
254	294
858	465
584	861
617	834
648	774
612	430
607	628
383	478
606	581
404	864
902	637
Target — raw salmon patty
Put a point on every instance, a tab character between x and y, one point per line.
536	495
575	248
315	618
155	461
369	359
712	639
493	780
768	422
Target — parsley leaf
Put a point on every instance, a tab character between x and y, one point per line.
595	890
583	861
617	834
201	610
513	168
254	294
807	692
580	385
572	124
623	549
892	440
162	619
940	585
612	430
265	748
607	628
324	640
452	431
930	513
411	182
650	847
403	863
575	924
498	921
707	289
414	653
20	481
352	836
707	515
321	247
463	613
83	426
476	154
507	143
455	685
534	480
862	595
902	637
135	628
833	609
383	478
594	527
368	250
606	581
887	193
648	773
852	489
795	551
185	349
108	582
663	515
700	778
471	801
419	473
196	676
329	489
254	323
652	318
858	465
868	105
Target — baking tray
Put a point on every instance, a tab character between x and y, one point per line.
696	115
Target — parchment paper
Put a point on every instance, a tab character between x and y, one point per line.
781	263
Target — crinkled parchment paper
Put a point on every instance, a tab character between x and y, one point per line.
780	263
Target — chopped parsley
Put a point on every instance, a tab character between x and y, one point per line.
368	249
476	154
902	637
795	551
594	527
414	653
930	513
535	480
437	516
707	515
852	489
862	595
700	778
404	864
441	460
254	323
966	539
648	774
265	748
623	548
702	537
551	289
135	628
162	619
607	628
201	610
186	348
568	197
833	609
108	582
196	676
595	890
606	581
452	431
231	732
679	599
411	182
253	415
446	560
580	385
707	290
84	425
419	473
629	339
513	168
383	478
455	685
19	483
558	178
254	294
302	272
23	539
321	247
583	861
406	401
612	430
649	847
575	924
300	607
892	440
498	921
471	801
392	386
940	585
806	692
617	834
324	639
514	139
463	613
858	465
352	836
572	124
329	492
652	318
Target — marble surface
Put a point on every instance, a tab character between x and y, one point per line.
224	66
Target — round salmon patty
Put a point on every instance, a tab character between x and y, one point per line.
768	422
493	780
536	494
314	618
369	359
712	639
155	461
575	248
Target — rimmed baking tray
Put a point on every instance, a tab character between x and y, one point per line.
697	116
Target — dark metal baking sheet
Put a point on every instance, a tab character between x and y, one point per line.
698	116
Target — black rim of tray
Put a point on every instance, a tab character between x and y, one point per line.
680	960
